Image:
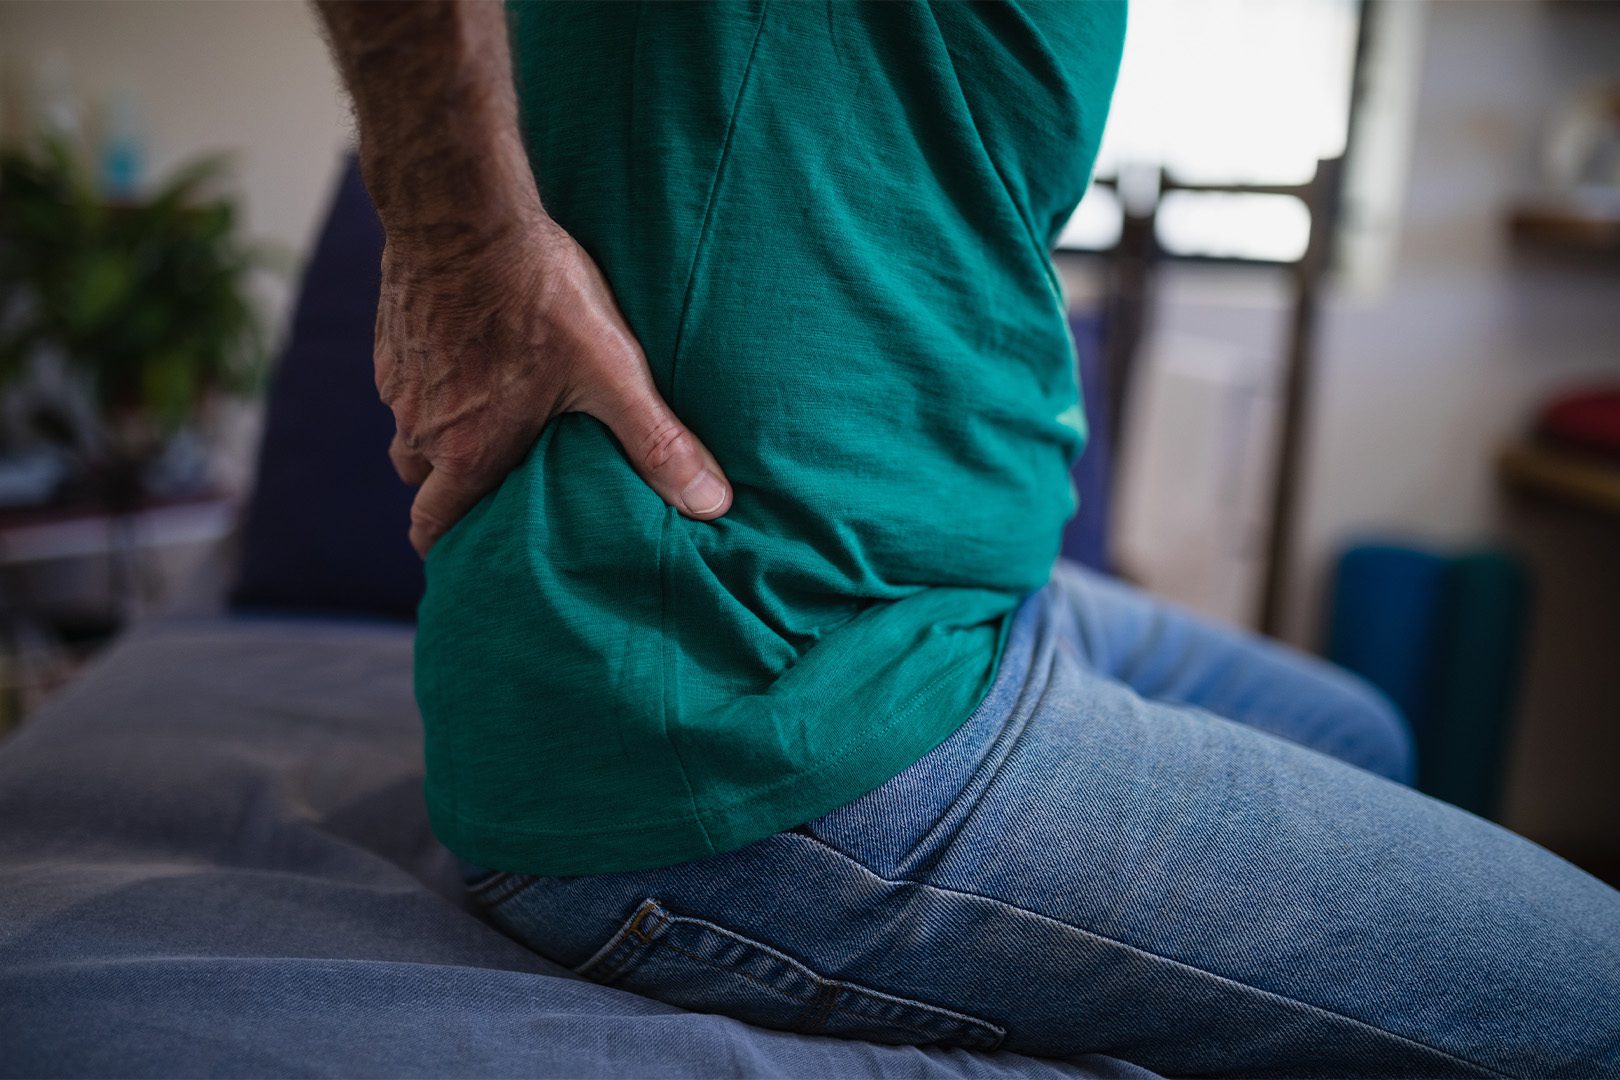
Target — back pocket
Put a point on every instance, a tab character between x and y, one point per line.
704	967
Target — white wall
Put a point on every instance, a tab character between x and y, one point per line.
1421	382
1424	382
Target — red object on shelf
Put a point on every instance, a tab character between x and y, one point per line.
1587	419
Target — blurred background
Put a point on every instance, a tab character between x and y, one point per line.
1345	296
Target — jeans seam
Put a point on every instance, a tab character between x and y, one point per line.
962	804
729	970
819	1009
625	942
514	886
829	992
815	1012
945	891
828	995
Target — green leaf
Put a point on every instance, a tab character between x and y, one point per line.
150	299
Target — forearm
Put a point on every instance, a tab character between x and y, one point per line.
440	148
491	320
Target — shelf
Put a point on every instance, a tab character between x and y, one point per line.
1580	480
51	535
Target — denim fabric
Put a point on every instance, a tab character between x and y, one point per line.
215	862
1101	861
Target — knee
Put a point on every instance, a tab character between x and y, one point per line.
1372	732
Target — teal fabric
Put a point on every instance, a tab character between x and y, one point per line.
829	225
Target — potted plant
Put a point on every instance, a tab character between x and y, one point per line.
144	301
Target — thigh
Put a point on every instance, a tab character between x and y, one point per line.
1121	877
1081	870
1165	653
1143	880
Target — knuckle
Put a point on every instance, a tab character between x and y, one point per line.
405	442
410	468
386	374
407	422
665	444
460	453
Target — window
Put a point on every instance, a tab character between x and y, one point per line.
1224	91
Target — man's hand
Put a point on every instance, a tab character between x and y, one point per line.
476	354
492	320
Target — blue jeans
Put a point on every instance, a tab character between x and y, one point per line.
1101	861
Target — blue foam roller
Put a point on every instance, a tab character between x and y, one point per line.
1386	607
1478	657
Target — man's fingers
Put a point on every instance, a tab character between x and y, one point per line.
412	467
440	503
667	455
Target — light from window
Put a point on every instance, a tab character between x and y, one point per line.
1225	91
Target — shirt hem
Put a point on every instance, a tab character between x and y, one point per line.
719	829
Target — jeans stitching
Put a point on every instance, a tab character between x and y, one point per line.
627	948
629	945
827	996
604	964
832	991
1156	956
829	992
718	966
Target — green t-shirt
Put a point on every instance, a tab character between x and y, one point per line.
829	225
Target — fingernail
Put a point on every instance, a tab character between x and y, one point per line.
704	494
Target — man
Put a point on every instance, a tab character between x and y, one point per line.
819	738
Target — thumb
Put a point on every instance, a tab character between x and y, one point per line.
667	455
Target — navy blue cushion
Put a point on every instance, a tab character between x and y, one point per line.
326	528
1085	538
